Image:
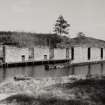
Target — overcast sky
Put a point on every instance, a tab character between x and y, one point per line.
86	16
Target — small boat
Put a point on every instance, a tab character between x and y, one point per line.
21	78
55	66
49	67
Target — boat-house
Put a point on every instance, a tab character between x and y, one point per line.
87	49
81	49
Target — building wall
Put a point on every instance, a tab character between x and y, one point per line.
81	54
69	53
40	52
31	53
14	54
1	51
95	54
103	53
51	53
59	53
84	54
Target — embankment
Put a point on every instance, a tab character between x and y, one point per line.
54	91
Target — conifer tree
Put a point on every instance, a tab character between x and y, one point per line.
61	26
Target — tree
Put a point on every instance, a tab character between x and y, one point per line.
80	34
61	26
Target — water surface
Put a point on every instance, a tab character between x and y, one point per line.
40	72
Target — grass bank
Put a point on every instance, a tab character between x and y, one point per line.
46	92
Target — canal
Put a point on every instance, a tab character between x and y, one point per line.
40	71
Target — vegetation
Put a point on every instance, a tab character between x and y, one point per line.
80	92
29	39
82	39
30	100
61	26
80	34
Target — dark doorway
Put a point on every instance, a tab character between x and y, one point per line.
72	53
23	58
45	57
89	53
101	53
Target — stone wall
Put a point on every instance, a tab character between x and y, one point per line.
14	54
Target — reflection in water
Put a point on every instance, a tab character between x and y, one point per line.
102	69
39	71
96	69
3	75
89	71
81	70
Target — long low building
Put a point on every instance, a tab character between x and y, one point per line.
81	54
87	49
81	49
15	54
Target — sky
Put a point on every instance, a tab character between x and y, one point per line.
39	16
